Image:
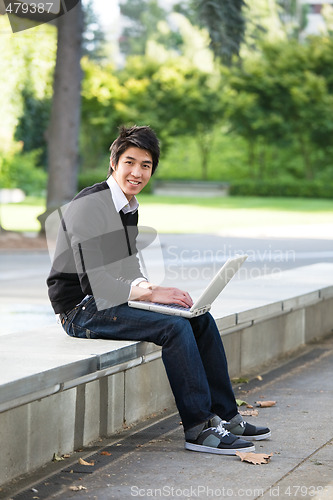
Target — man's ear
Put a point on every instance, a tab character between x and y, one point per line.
112	165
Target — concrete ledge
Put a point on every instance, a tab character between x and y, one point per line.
59	394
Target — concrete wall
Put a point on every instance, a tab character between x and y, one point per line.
68	420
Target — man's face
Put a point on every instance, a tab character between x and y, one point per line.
133	171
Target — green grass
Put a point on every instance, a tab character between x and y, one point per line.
22	216
215	215
196	215
240	202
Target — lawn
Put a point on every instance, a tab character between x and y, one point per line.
196	215
213	215
22	216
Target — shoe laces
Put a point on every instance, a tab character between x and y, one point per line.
222	430
241	424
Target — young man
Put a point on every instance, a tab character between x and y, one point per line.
96	271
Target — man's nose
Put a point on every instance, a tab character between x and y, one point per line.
136	170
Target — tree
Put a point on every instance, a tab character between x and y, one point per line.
32	123
172	95
93	40
226	25
102	111
294	16
63	130
28	66
284	96
141	18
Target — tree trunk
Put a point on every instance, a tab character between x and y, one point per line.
251	153
63	131
205	144
261	160
306	153
204	150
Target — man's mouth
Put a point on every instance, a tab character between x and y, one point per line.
134	183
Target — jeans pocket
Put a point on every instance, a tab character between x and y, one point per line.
67	318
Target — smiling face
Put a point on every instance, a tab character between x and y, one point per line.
133	171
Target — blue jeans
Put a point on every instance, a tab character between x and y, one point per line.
192	353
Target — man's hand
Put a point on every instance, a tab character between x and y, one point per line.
161	294
168	295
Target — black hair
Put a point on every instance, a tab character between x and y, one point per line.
140	137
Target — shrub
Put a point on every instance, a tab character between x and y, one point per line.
91	177
20	170
292	188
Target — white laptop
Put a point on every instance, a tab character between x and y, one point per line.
204	302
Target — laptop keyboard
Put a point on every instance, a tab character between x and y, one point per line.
173	306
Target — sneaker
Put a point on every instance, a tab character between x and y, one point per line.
247	431
217	440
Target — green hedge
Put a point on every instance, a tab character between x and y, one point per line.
91	177
21	170
300	188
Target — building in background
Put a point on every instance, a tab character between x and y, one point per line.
315	23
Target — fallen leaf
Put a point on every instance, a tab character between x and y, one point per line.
249	413
240	380
249	406
240	402
254	458
83	462
259	377
77	488
57	458
106	453
265	404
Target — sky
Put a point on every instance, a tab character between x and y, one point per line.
107	10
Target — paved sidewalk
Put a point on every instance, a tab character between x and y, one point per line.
150	461
315	231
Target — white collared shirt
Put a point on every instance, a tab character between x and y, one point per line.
119	199
121	203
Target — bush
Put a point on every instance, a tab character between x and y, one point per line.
91	177
20	170
292	188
